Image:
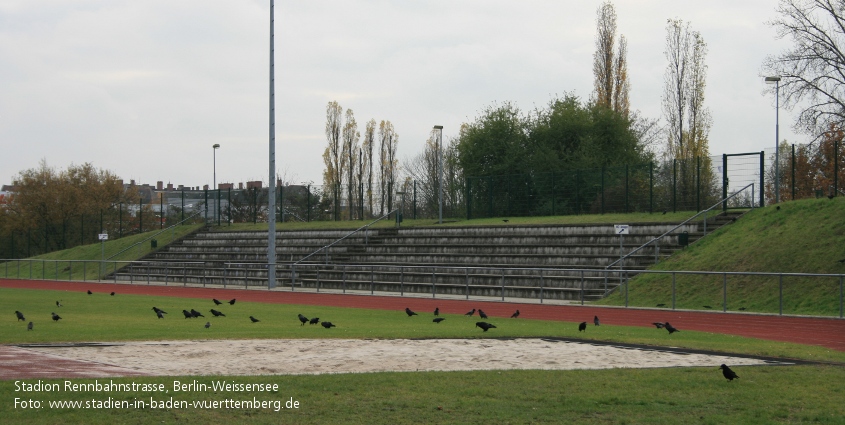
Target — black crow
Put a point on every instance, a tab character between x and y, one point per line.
302	319
778	208
58	303
670	328
20	316
484	325
664	212
742	309
409	312
232	301
112	294
658	325
582	327
470	313
217	313
596	320
707	306
56	317
482	314
729	374
314	321
515	314
661	305
328	325
207	325
89	292
187	314
505	221
196	313
254	320
29	326
438	319
160	316
437	311
216	301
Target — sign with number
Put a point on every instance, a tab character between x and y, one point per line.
620	229
103	236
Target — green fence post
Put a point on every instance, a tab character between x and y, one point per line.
793	171
308	203
762	171
674	185
836	167
724	181
182	195
415	199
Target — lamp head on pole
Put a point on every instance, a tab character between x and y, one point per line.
772	80
215	146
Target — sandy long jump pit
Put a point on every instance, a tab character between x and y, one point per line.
310	356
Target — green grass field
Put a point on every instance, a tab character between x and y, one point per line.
768	394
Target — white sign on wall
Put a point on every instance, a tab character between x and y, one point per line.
620	229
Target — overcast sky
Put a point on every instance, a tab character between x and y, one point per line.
145	88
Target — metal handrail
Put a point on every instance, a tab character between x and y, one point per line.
366	226
154	235
657	238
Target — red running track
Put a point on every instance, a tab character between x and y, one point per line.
825	332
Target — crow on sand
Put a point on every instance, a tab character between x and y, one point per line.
515	314
729	374
29	326
302	319
314	321
216	301
482	314
328	325
582	327
670	328
409	312
217	313
56	317
596	320
470	313
20	316
438	319
484	326
254	320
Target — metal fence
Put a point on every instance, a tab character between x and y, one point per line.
694	290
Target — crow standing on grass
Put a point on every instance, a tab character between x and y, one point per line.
729	374
314	321
158	310
207	325
196	313
56	317
596	320
112	294
159	314
438	319
217	313
29	326
302	319
232	301
470	313
89	292
58	304
216	301
20	316
659	325
187	314
328	325
482	314
484	326
515	314
582	327
409	312
437	311
254	320
670	328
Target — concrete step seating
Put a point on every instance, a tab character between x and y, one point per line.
554	262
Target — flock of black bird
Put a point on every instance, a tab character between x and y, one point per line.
729	374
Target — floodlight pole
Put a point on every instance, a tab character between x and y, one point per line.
271	201
776	81
439	129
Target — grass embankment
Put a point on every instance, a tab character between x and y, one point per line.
83	262
804	236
